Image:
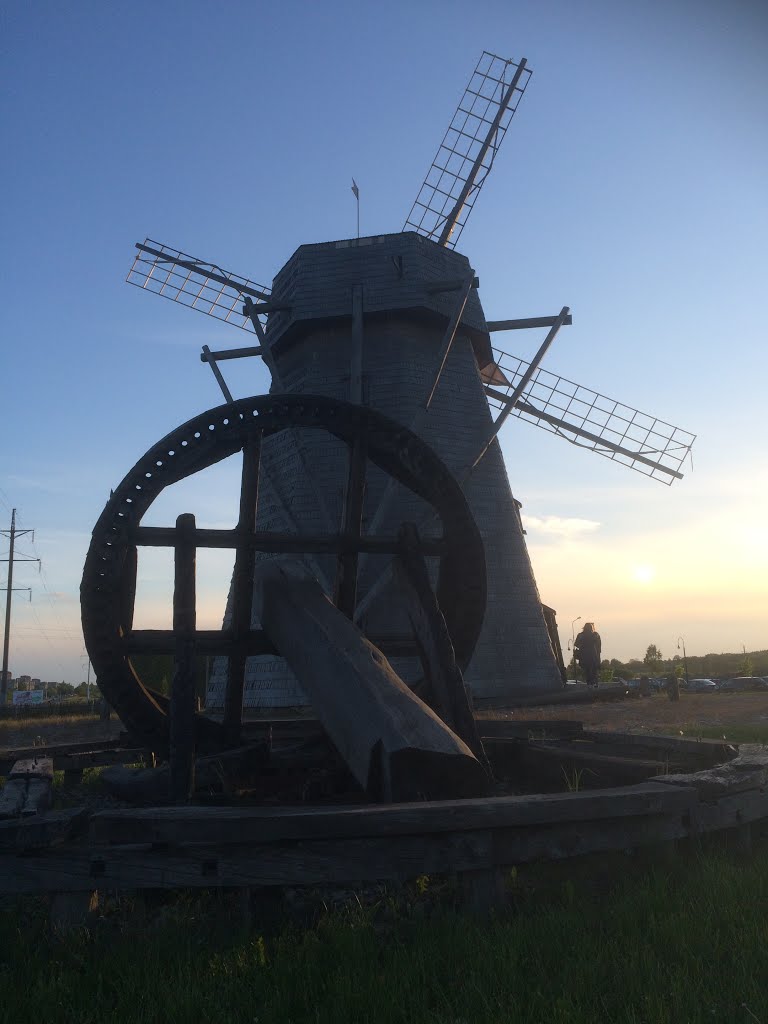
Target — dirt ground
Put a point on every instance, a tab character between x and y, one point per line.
635	714
657	713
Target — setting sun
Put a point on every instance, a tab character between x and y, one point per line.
643	573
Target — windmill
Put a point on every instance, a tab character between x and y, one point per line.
394	322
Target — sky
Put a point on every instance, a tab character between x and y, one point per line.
631	187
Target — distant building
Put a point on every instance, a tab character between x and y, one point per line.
24	683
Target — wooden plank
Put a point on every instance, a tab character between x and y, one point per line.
312	863
43	830
394	745
272	825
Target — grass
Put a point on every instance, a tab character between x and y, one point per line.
732	733
55	729
684	944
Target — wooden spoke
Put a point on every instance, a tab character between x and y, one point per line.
182	726
242	588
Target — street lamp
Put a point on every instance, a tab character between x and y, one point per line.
685	659
572	644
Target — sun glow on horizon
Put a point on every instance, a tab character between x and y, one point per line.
643	573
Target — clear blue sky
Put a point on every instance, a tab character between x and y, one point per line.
631	186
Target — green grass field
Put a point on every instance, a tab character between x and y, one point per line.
678	944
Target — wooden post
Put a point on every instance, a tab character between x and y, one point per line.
242	590
182	707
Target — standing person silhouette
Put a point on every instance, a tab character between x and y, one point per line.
587	650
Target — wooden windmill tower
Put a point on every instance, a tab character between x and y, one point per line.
395	322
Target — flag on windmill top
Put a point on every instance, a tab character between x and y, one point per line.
355	189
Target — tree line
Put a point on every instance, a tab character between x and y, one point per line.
700	666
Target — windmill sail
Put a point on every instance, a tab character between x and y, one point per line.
590	420
204	286
466	154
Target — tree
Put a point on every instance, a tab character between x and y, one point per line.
605	674
746	666
653	659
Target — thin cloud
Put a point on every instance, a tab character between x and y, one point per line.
559	526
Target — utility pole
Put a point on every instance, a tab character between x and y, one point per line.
13	533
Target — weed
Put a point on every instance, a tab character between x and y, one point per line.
572	779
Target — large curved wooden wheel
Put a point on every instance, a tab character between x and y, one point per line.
109	577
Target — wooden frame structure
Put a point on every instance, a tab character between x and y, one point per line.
74	852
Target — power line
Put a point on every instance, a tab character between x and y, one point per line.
12	534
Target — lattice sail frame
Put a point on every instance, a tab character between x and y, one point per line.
462	144
590	420
182	278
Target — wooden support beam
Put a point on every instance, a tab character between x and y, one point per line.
229	353
394	745
356	359
438	659
346	570
524	323
281	543
450	334
182	706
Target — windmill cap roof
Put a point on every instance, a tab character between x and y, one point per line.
403	273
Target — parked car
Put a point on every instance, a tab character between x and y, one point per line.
700	686
740	683
634	684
